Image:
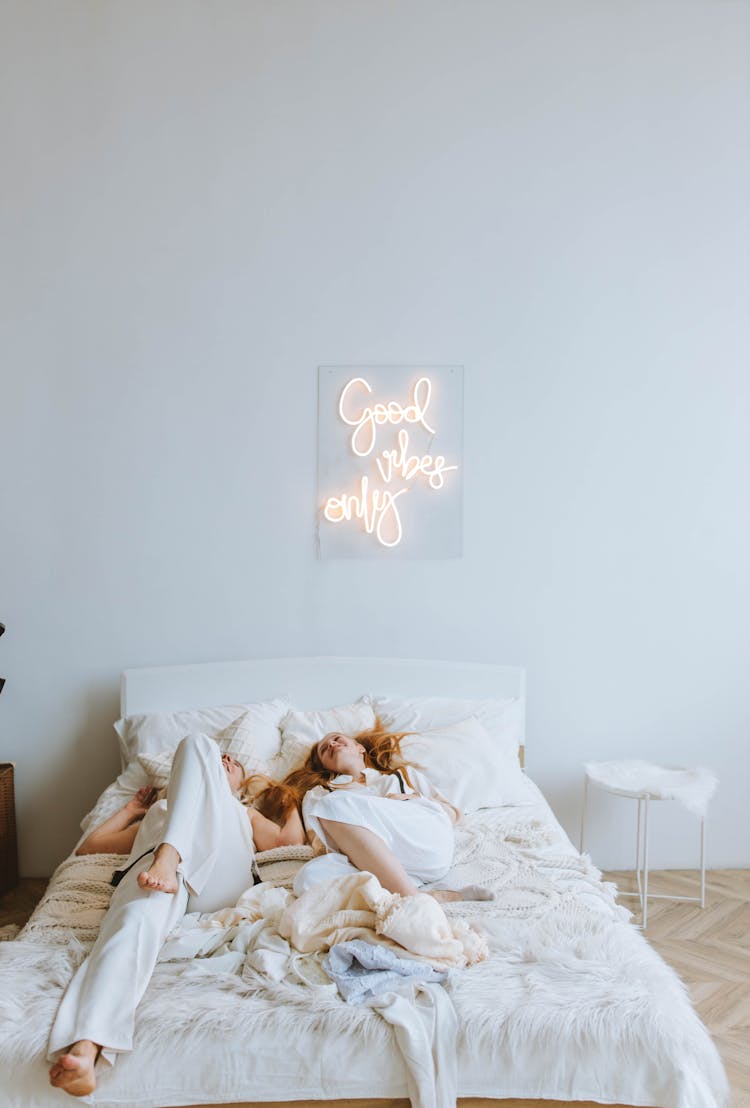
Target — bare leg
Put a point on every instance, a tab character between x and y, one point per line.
74	1071
367	851
162	873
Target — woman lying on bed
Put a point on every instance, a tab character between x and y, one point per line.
192	852
369	809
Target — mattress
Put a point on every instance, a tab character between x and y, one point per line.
572	1004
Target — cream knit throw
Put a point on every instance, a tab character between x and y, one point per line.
358	907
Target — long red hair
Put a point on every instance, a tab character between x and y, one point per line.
277	799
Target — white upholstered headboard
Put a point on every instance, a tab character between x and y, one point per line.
311	682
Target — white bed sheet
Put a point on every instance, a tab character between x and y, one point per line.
549	1016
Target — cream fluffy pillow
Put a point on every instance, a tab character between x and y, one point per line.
463	762
301	730
237	739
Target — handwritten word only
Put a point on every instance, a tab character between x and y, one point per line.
376	508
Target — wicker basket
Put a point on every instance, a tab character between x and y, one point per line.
8	845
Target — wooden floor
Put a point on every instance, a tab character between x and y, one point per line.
17	905
709	948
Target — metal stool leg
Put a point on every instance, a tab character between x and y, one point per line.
638	854
583	812
645	864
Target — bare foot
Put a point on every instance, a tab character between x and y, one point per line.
468	892
161	876
74	1072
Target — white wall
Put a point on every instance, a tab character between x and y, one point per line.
203	202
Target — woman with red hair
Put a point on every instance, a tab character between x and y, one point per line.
366	808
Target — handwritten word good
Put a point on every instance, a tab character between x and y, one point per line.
375	507
410	466
367	421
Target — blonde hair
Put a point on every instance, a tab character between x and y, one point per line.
277	799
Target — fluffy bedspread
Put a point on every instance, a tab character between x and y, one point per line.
572	1002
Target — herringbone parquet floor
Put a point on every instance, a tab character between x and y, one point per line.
709	949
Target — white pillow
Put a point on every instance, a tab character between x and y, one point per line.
502	719
463	762
301	730
238	739
155	732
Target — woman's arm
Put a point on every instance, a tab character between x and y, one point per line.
117	834
267	834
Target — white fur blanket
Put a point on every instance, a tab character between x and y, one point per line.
571	1004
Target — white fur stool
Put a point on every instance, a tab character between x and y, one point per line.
644	782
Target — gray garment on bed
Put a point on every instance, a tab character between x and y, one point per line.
362	970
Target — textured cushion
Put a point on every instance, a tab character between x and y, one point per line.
156	732
237	739
468	768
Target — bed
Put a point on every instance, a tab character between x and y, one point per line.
572	1004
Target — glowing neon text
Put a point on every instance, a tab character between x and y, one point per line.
377	507
392	412
409	467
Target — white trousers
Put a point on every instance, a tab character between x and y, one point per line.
212	833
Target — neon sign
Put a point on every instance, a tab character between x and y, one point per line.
392	412
396	471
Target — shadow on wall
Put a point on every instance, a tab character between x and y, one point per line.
565	798
74	781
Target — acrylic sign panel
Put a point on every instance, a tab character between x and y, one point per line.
390	461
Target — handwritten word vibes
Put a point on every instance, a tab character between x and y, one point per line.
376	504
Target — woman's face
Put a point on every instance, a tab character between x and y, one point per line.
340	754
234	771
